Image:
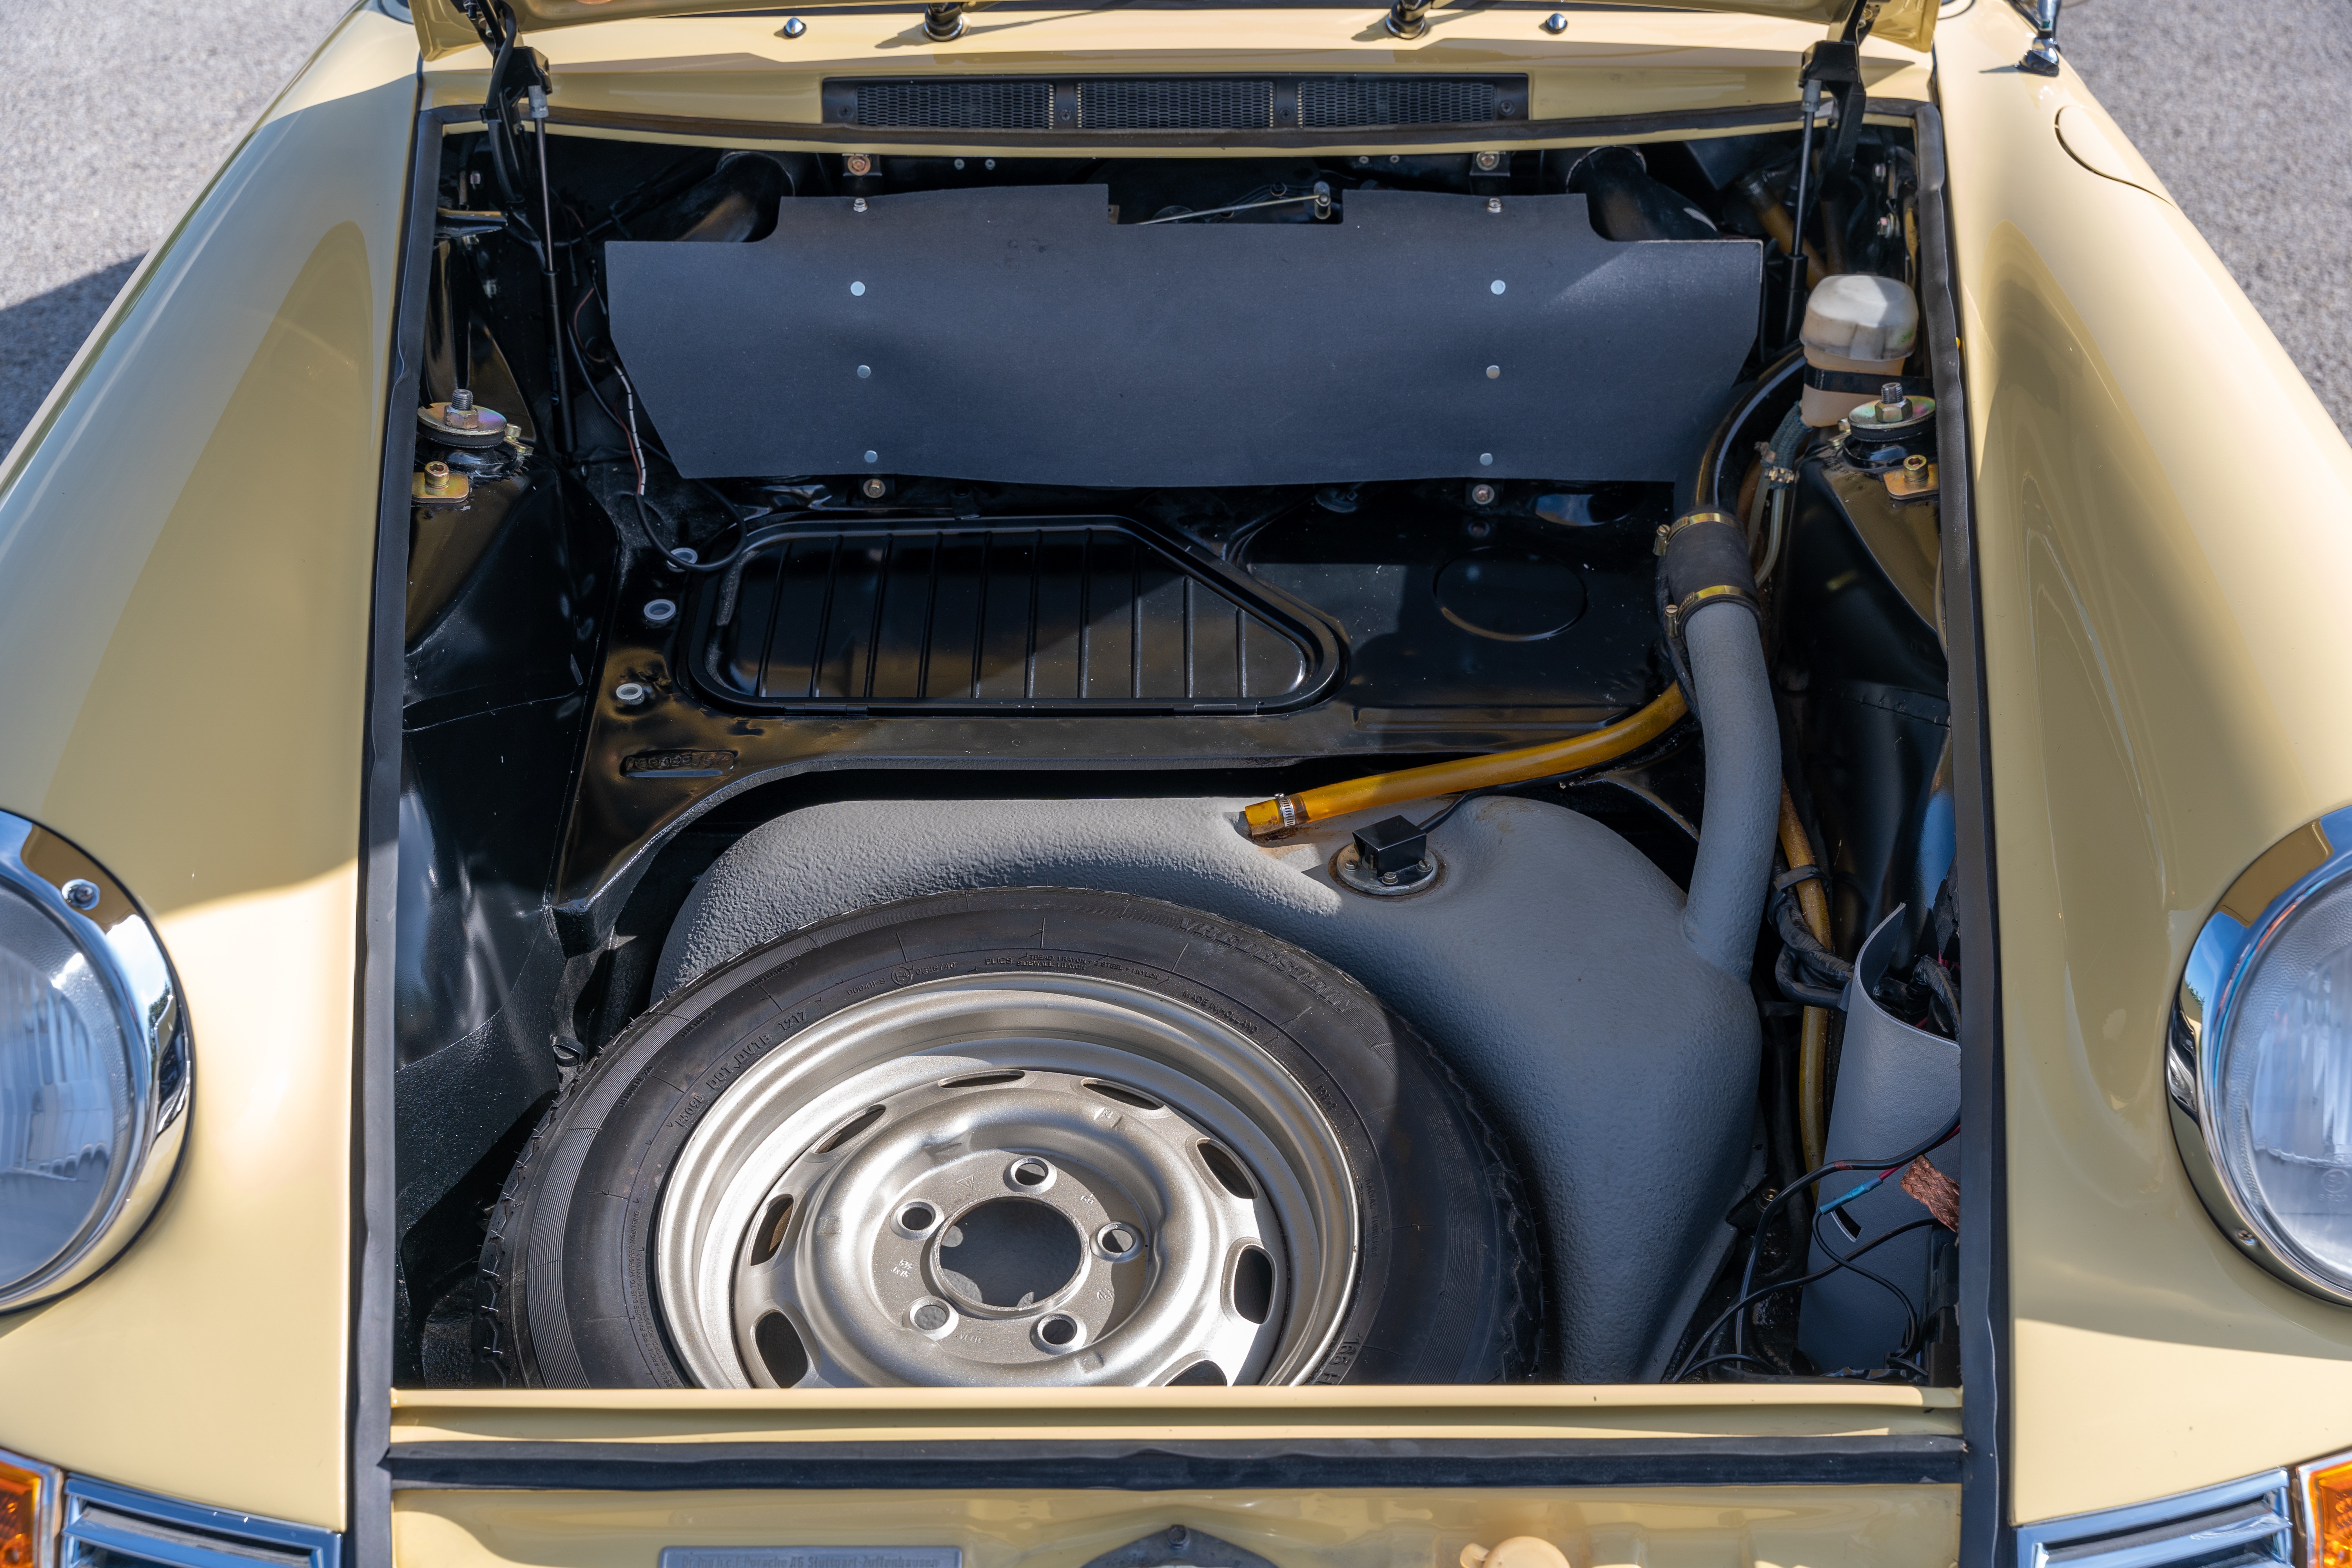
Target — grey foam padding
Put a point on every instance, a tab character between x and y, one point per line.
1547	966
1897	1086
1016	335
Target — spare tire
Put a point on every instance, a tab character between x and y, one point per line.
1026	1137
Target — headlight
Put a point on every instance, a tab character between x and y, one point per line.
93	1066
2261	1065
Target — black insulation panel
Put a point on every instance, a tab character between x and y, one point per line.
1017	335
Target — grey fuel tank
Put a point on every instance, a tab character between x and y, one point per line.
1547	964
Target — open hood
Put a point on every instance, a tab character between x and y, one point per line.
442	27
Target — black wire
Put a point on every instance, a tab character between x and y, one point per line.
1805	1184
1752	1297
1465	798
1787	974
588	379
1910	1313
668	553
1734	1355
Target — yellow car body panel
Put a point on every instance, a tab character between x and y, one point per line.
676	77
1529	1411
2160	512
187	544
1598	1527
442	27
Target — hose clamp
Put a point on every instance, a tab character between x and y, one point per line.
1667	531
1679	615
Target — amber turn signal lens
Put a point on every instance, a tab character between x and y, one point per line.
22	1494
2328	1513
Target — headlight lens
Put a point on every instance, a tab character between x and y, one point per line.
2284	1110
93	1066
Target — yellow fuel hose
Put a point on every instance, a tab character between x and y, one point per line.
1638	729
1813	1043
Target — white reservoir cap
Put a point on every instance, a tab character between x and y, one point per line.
1856	316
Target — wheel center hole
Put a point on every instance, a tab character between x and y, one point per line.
1011	1252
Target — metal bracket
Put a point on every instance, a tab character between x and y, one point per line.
1408	18
943	20
2041	54
1834	65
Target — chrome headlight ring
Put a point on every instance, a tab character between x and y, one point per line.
2289	913
128	1033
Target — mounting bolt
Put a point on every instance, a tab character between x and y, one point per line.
461	413
1408	18
1487	163
1482	495
631	693
81	894
1556	23
859	206
659	612
858	162
792	29
1915	464
1494	204
874	489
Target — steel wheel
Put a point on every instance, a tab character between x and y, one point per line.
1006	1180
1011	1138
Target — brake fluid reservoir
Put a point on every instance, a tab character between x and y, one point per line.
1859	329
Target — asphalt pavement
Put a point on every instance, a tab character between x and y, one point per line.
116	114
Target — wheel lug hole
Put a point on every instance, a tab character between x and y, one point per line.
932	1318
1058	1332
1118	1241
918	1220
1030	1175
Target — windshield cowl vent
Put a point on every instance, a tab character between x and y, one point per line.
1174	103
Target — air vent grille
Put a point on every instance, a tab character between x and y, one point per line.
2240	1524
1108	104
957	105
1352	101
114	1527
1087	616
1175	103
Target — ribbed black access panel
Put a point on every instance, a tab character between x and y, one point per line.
1173	103
1091	615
